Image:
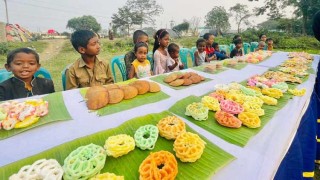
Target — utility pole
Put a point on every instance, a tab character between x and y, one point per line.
5	3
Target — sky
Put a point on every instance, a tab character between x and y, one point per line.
41	15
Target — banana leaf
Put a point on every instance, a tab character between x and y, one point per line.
211	161
238	66
201	68
57	112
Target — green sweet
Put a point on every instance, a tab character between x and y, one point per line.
282	86
198	111
146	137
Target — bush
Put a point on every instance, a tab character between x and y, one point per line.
4	48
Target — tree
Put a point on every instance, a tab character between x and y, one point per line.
148	9
84	23
218	19
241	14
194	24
181	27
125	18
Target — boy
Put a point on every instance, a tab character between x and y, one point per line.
173	62
261	46
138	36
270	44
237	51
24	63
221	55
88	70
209	49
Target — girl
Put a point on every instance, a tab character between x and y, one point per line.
160	53
200	55
140	67
174	63
24	63
209	38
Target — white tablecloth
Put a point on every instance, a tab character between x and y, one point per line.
259	159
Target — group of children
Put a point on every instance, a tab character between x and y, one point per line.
89	70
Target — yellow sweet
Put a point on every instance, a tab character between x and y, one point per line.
107	176
211	103
237	97
269	100
249	119
27	122
297	92
170	127
254	99
119	145
253	107
188	147
272	92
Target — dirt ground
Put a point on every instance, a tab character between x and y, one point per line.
54	47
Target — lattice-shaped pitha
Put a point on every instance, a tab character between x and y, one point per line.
170	127
119	145
249	119
227	119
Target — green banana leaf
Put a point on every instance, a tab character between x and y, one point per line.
201	68
238	66
57	112
211	161
159	79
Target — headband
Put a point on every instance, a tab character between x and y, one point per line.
161	33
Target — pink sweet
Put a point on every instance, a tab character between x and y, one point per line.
231	107
218	96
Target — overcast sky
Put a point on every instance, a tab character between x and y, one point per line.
41	15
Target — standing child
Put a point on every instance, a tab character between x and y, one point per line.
270	44
24	63
237	51
261	46
88	70
200	55
138	36
221	55
160	53
140	67
173	62
209	49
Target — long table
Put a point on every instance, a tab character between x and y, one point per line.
259	159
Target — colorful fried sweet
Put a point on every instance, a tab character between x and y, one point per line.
249	92
146	137
297	92
272	92
249	119
254	99
211	103
235	86
119	145
237	97
170	127
107	176
159	165
222	87
42	169
227	119
269	100
84	162
231	107
253	107
198	111
281	85
188	147
218	96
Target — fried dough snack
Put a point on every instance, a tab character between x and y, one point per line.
198	111
146	137
253	107
269	100
119	145
231	107
249	119
227	119
170	127
297	92
211	103
272	92
107	176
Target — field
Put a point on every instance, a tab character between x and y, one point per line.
55	55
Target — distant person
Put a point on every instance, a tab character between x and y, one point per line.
261	46
221	55
140	67
237	51
262	37
236	37
270	44
88	70
209	37
200	55
174	63
160	52
138	36
24	63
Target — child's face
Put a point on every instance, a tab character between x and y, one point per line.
239	45
261	46
217	48
144	39
23	66
93	47
270	42
141	53
210	41
263	38
201	47
175	54
164	42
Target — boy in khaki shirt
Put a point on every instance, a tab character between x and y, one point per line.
88	70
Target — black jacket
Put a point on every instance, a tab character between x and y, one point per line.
14	88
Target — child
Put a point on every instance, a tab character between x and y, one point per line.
263	37
236	37
261	46
160	53
24	63
270	44
200	55
209	49
237	51
173	62
221	55
138	36
140	67
88	70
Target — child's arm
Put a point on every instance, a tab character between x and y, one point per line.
172	66
213	57
132	72
181	66
196	58
71	82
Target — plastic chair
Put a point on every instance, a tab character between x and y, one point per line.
4	75
232	46
63	77
150	58
225	48
246	47
43	72
254	46
184	56
118	60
